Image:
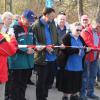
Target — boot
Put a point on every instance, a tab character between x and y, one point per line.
64	98
74	97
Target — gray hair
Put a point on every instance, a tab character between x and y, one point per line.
6	15
75	24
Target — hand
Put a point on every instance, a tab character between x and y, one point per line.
62	46
49	49
40	48
30	51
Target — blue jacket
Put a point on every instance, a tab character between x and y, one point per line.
74	61
64	54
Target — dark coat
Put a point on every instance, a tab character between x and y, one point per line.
39	30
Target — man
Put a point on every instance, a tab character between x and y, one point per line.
62	29
97	83
46	34
22	62
85	22
62	24
91	37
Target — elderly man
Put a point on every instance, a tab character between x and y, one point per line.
91	38
46	34
22	62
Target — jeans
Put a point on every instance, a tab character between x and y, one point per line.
88	78
98	71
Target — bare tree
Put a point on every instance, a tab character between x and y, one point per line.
80	8
98	10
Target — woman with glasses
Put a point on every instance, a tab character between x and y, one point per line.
71	76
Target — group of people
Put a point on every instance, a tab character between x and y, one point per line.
68	52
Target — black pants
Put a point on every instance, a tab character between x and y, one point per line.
45	76
30	74
16	86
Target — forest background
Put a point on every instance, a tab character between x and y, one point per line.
73	8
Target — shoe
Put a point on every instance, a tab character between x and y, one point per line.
83	98
7	98
74	97
64	98
98	79
93	96
30	82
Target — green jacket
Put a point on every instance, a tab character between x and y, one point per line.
39	30
22	60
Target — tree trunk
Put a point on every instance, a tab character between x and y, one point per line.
80	8
10	5
98	11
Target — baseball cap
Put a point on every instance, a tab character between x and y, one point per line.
84	17
29	15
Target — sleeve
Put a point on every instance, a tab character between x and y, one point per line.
8	48
14	31
87	37
69	50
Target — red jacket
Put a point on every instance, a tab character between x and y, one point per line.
6	49
87	35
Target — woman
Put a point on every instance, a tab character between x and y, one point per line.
70	78
7	48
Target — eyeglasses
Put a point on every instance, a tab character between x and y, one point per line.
78	30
